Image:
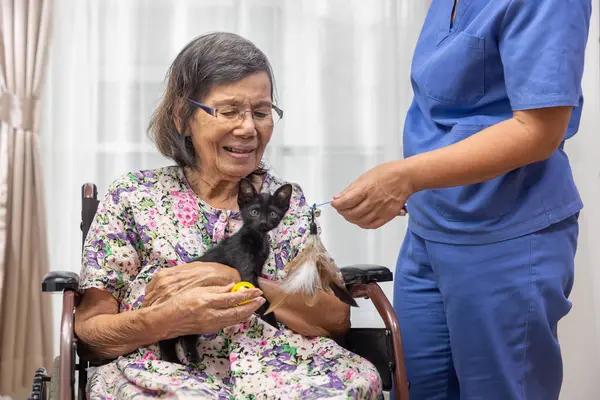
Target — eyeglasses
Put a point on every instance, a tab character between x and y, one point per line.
263	116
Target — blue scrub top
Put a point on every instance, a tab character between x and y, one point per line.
498	56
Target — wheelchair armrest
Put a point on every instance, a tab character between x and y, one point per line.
366	273
58	281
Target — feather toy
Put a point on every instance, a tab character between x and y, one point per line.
312	270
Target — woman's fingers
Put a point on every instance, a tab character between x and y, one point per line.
217	288
228	300
235	315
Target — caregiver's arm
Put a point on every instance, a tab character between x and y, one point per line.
379	195
530	136
327	316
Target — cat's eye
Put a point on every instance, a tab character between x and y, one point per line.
273	214
254	213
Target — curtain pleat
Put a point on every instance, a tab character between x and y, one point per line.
26	331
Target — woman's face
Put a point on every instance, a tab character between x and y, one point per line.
232	149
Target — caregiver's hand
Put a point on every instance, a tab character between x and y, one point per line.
173	281
377	196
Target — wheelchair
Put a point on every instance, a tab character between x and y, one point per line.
381	346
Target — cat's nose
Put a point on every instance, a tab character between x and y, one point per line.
263	224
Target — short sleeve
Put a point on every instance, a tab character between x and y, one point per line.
110	255
542	47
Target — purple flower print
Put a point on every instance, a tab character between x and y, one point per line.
334	382
211	220
315	392
138	302
91	259
195	372
144	238
128	236
279	366
132	237
209	336
137	366
116	194
149	174
200	378
97	244
117	235
278	261
270	351
280	332
267	353
282	255
183	254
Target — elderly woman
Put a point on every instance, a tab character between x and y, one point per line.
139	279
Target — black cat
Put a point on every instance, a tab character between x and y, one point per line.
246	250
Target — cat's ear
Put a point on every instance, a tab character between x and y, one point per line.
246	192
283	195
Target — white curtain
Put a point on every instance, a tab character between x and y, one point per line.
342	73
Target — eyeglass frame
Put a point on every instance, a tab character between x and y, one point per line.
214	111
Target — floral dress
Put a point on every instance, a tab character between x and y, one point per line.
151	220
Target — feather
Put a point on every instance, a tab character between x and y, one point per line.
310	271
303	271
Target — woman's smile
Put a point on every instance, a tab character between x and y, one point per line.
240	152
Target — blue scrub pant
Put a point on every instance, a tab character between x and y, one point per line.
480	321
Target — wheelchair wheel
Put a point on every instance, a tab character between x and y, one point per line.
54	379
38	389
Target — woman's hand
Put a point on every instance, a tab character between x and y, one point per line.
327	316
377	196
108	334
206	310
172	282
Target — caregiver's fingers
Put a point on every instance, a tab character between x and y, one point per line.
358	212
373	220
350	199
375	223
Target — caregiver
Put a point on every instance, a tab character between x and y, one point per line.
487	263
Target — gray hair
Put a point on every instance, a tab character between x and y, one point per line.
207	61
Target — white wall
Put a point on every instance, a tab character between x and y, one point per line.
579	332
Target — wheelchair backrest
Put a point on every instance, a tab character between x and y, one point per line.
89	205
